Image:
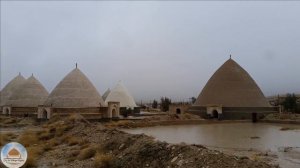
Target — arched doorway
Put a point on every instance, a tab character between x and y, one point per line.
254	117
6	111
114	113
215	114
178	111
45	114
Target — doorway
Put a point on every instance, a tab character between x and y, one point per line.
215	114
254	117
114	113
45	114
178	111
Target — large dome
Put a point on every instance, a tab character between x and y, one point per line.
75	91
30	94
231	86
122	95
10	88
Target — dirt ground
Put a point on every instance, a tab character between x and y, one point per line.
75	142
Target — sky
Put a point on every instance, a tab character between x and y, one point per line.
157	48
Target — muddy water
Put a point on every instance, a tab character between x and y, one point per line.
235	136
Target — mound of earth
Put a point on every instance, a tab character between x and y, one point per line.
93	145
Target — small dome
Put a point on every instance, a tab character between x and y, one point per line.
30	94
122	95
10	88
231	86
74	91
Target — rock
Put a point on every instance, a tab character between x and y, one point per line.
180	162
174	159
121	146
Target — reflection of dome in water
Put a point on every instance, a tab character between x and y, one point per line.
14	153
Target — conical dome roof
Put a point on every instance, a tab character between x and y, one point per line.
30	94
122	95
106	93
231	86
10	88
75	91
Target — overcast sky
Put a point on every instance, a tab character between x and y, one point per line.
156	48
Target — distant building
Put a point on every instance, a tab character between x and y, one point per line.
121	94
231	93
26	98
8	90
76	94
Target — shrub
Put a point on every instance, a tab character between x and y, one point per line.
86	153
72	141
5	138
103	161
33	154
28	138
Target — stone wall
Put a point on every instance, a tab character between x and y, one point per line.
235	113
179	108
24	111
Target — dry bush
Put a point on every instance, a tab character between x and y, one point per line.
86	153
75	152
46	135
84	146
103	160
62	129
6	138
10	121
54	142
33	154
84	142
29	138
72	141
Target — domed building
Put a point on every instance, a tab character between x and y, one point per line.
10	87
121	94
75	93
25	100
231	93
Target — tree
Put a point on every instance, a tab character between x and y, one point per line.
290	102
193	100
164	103
154	104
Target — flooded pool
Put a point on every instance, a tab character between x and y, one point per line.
247	136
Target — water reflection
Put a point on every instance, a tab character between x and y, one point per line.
236	135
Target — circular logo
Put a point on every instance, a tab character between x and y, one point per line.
13	155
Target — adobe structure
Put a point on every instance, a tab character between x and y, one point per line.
231	93
76	94
7	91
121	94
25	99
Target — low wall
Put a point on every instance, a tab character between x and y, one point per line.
24	111
88	112
235	113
